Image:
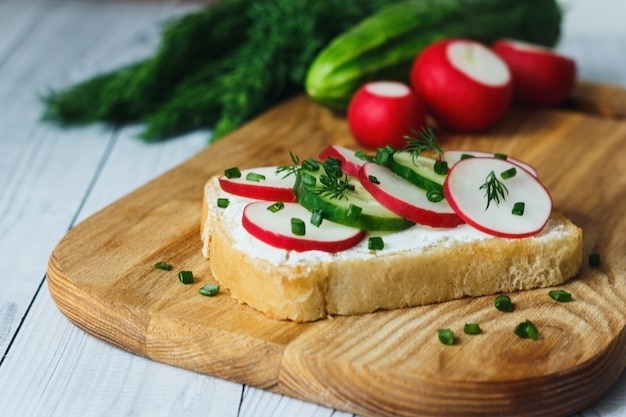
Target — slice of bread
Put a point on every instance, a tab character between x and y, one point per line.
418	266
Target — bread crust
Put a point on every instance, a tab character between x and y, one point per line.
384	280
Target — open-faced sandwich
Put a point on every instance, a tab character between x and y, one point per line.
347	233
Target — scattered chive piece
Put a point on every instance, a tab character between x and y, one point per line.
445	336
594	259
500	155
186	277
253	176
334	163
471	328
560	296
210	290
308	180
434	196
310	165
503	303
233	172
162	265
363	156
509	173
317	215
373	179
383	155
223	202
441	167
518	208
277	206
527	330
375	243
298	227
354	211
466	156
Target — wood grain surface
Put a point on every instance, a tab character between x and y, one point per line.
101	276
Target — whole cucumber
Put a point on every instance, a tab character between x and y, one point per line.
384	45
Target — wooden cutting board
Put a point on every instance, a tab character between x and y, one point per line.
102	278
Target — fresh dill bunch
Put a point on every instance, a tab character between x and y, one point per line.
214	68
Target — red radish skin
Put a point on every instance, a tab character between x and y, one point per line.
350	163
541	76
276	187
382	113
464	85
454	156
275	229
468	200
405	199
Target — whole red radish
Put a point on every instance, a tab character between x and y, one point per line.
382	113
541	76
463	84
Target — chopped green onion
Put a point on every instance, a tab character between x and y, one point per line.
509	173
375	243
527	330
233	172
223	202
441	167
253	176
434	196
594	259
332	167
373	179
310	165
308	180
363	156
471	328
210	290
560	295
383	155
186	277
503	303
500	155
298	227
276	207
354	212
467	156
518	208
317	216
445	336
162	265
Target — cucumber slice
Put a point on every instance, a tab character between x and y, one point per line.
356	207
419	170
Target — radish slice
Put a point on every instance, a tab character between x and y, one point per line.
405	199
275	186
462	188
350	162
274	228
454	156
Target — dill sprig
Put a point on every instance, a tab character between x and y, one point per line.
424	140
290	169
495	190
334	182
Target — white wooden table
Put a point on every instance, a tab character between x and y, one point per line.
51	179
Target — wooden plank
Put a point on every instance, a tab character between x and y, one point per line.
159	318
50	362
43	158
